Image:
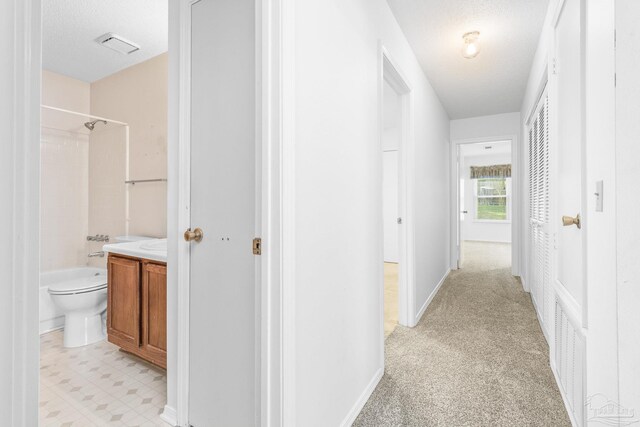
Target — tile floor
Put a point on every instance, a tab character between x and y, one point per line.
97	385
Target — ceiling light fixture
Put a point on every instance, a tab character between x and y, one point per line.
471	47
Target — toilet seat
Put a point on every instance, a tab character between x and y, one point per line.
79	286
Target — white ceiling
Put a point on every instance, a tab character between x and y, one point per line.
69	30
493	82
479	149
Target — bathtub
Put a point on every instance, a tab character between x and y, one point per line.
50	317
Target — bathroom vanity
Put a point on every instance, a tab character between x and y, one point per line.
137	299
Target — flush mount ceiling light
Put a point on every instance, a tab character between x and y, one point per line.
471	47
117	43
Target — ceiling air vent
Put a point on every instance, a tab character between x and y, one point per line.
117	43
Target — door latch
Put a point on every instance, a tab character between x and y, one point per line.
399	220
257	246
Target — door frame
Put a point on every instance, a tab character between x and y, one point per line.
22	28
393	75
516	209
274	20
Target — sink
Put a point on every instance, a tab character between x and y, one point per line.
154	245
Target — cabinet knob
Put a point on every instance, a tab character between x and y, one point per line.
195	235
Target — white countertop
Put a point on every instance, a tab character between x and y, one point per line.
153	249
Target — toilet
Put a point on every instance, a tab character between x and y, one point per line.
83	300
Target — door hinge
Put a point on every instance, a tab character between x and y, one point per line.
257	246
554	66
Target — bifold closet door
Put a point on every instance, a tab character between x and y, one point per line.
539	214
222	324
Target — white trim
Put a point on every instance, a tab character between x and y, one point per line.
169	416
391	72
542	87
21	190
181	196
362	400
556	14
516	214
277	302
431	296
286	46
570	306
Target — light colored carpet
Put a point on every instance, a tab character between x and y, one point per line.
477	357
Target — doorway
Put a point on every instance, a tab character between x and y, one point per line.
397	278
485	199
102	309
391	141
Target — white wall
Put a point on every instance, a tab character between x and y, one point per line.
627	16
496	125
338	325
470	228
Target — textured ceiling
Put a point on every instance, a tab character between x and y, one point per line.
69	30
493	82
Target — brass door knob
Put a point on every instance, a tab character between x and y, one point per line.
569	221
195	235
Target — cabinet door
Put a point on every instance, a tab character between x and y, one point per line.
154	312
123	308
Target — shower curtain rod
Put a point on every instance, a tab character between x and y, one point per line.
62	110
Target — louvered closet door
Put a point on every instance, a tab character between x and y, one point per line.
539	211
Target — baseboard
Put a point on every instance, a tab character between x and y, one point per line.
428	301
362	400
51	325
169	416
540	321
567	407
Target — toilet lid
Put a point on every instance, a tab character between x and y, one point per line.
79	285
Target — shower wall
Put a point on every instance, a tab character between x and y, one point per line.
64	156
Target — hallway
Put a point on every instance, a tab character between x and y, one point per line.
477	357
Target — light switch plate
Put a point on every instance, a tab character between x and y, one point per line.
599	196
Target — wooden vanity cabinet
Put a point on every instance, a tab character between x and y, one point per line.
137	307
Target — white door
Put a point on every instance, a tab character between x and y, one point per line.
568	147
567	271
222	352
390	185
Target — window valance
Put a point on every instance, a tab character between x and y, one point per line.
492	171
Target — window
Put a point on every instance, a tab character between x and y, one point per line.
493	199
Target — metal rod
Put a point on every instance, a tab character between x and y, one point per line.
62	110
135	181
